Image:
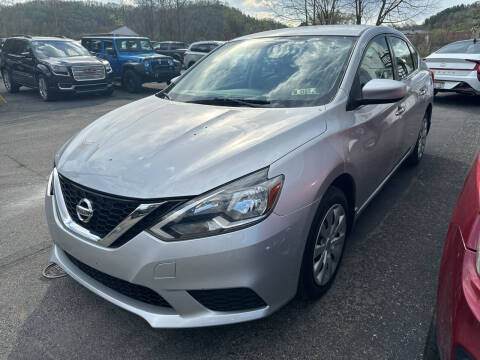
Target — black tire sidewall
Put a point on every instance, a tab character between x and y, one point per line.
13	86
308	288
131	81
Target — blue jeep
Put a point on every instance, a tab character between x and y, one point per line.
133	60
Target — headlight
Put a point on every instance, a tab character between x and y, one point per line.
236	205
146	63
59	69
108	68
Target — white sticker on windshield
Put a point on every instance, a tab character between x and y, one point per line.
310	91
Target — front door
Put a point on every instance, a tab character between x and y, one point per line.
377	129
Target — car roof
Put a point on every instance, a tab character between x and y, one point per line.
337	30
207	42
170	42
27	37
114	37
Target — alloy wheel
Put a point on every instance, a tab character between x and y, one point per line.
329	244
422	138
6	80
42	88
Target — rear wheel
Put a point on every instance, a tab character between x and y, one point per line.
131	81
417	153
10	85
324	249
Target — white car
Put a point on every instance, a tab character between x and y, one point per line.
198	50
456	67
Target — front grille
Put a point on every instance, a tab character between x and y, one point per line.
235	299
88	72
134	291
160	64
108	211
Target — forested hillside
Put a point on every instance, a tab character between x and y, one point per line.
456	18
159	19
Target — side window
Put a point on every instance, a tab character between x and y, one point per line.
414	56
403	57
108	47
163	46
92	45
376	62
8	46
23	46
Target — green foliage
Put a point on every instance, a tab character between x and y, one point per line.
455	18
160	20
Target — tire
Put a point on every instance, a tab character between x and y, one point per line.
417	154
45	93
326	242
131	81
10	85
435	92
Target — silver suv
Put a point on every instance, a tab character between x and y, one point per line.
219	199
198	50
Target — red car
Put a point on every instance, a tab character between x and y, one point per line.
458	299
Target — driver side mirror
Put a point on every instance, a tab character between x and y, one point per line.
383	91
379	91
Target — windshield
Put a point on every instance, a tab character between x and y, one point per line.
58	49
134	45
464	47
276	72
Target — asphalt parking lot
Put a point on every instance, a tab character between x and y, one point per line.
379	307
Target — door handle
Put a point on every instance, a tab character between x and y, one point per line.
423	91
400	110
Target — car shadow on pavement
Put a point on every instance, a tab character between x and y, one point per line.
466	101
379	306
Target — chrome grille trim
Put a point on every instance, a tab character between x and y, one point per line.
138	214
88	72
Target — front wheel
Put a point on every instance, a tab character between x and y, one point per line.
131	82
10	85
324	248
45	93
419	149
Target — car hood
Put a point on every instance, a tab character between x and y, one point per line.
74	60
155	148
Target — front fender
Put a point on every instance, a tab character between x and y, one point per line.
307	175
137	67
43	69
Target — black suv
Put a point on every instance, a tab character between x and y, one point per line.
54	66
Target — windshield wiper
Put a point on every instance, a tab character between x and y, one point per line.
222	100
163	95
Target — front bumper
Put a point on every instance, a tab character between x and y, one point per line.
458	302
68	85
265	258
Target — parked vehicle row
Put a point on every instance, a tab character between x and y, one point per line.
36	62
220	198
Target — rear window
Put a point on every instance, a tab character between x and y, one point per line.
463	47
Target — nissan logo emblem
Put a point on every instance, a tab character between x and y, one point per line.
84	210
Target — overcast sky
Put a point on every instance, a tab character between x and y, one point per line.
259	8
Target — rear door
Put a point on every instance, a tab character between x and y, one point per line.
412	108
26	63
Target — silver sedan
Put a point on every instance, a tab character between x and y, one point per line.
220	198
